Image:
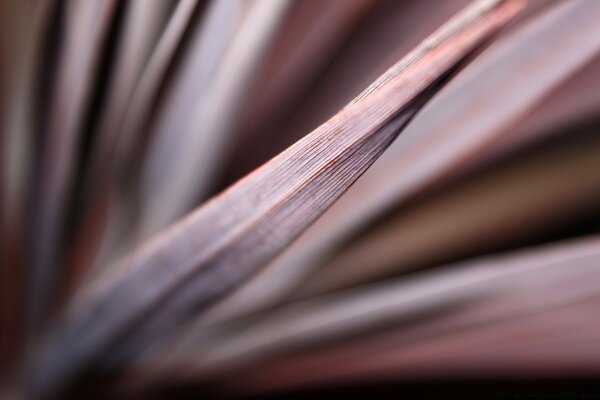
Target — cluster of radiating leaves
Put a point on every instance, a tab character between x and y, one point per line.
132	257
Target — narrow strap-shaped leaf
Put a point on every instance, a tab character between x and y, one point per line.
142	25
175	129
443	141
539	191
114	239
219	245
87	27
313	34
199	125
576	99
18	47
470	283
468	296
548	343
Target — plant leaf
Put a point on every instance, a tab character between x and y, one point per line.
535	193
86	28
446	139
216	247
494	296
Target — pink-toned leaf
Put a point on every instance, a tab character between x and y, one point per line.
219	245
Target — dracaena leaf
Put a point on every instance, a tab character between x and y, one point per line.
216	247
